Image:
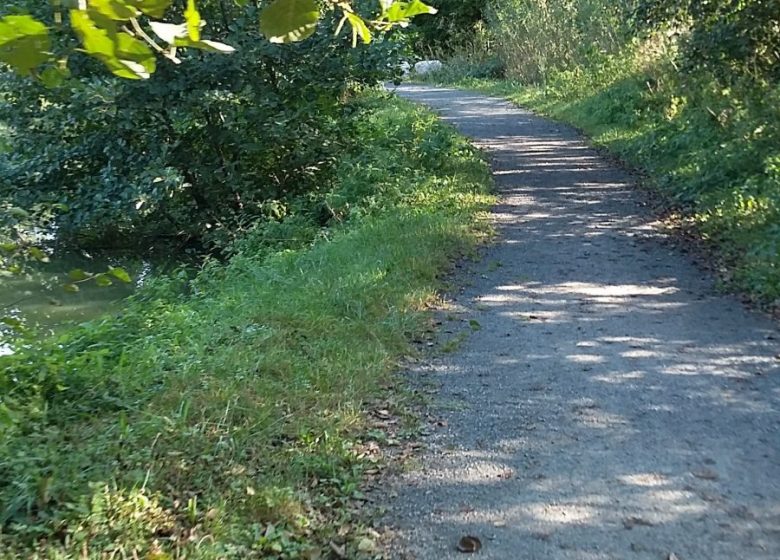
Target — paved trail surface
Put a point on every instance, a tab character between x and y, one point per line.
612	405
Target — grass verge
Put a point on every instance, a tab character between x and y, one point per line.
711	151
227	416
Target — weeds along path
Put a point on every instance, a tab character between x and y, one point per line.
609	404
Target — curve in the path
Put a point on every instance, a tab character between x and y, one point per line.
612	405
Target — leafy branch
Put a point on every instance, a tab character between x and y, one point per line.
120	33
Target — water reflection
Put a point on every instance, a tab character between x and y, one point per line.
39	299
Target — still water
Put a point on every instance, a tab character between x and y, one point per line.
39	299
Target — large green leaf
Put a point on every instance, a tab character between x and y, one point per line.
359	28
168	32
103	280
174	34
153	8
24	43
288	21
78	275
120	274
416	8
123	54
204	45
404	11
118	10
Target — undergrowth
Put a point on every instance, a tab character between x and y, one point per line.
226	416
712	151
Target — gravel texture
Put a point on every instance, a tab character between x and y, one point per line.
607	402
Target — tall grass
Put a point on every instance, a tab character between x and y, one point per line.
227	417
535	38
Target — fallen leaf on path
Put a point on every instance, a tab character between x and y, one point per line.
705	474
499	524
469	544
631	522
506	474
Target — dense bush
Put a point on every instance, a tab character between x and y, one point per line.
535	38
728	38
197	151
454	27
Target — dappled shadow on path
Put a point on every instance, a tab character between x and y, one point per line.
611	405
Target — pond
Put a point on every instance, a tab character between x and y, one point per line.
38	297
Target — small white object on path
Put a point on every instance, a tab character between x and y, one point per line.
427	66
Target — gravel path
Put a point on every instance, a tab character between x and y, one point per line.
611	405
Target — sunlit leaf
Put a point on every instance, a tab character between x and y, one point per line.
103	280
153	8
396	12
115	9
404	11
24	43
123	54
120	274
177	35
359	28
288	21
205	45
77	275
37	254
168	32
72	288
416	8
192	17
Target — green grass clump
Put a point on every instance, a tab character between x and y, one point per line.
712	151
225	417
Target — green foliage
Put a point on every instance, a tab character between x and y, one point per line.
213	418
535	38
24	42
454	27
727	38
195	155
288	21
116	32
